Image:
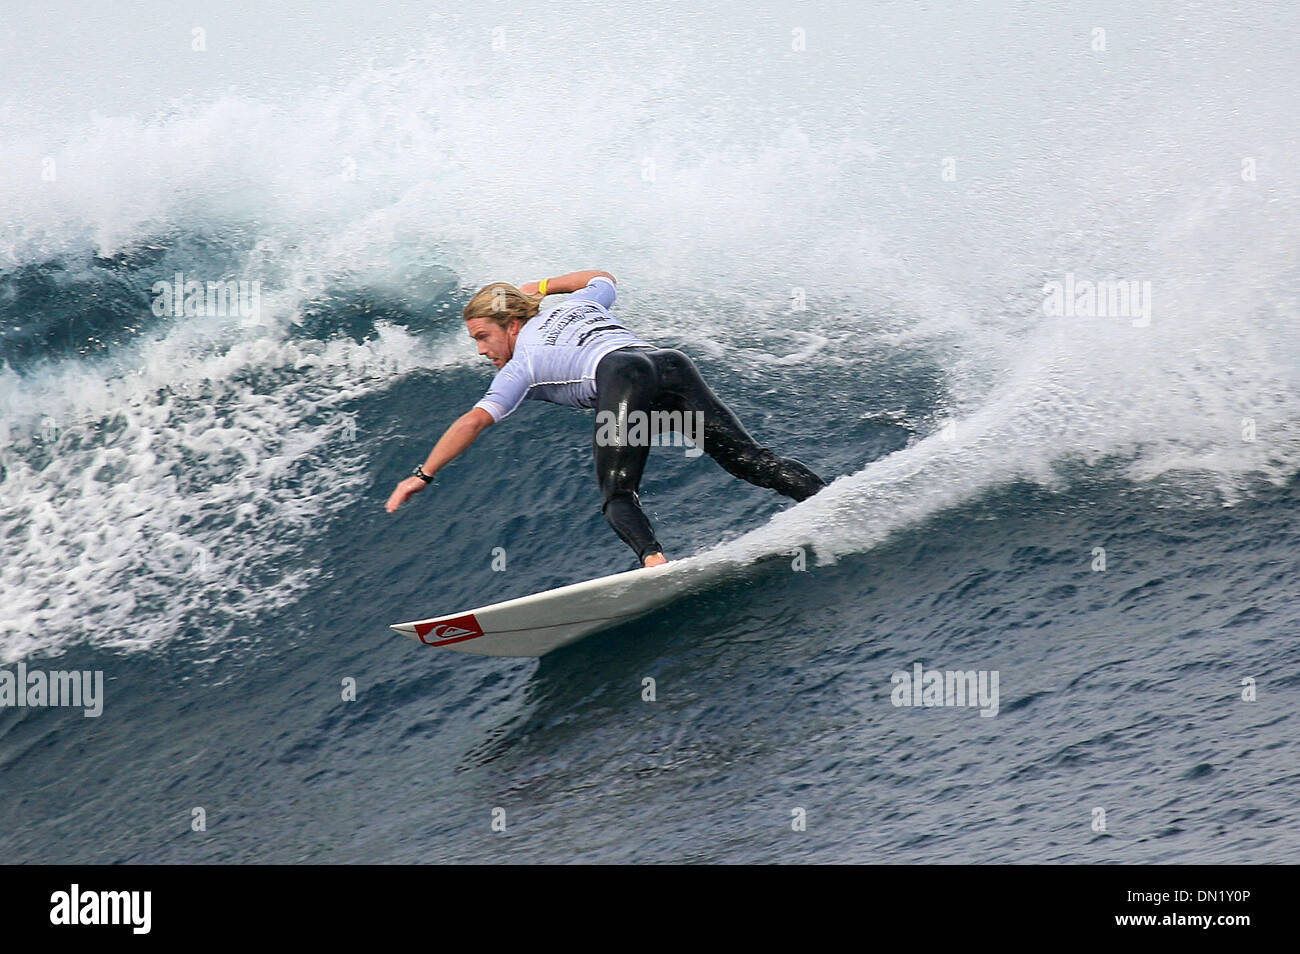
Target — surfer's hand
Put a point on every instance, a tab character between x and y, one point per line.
530	289
407	488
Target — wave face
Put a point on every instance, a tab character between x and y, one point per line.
1027	293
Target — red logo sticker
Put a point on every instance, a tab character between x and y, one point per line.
449	631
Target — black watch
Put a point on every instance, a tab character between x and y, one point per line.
421	474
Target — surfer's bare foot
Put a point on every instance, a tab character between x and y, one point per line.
655	559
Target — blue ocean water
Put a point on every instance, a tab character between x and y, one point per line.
853	238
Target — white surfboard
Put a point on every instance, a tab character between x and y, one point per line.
538	624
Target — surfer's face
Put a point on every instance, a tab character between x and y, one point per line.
495	343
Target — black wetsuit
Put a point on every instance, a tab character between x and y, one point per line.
646	379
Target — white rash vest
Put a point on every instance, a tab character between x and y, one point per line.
557	351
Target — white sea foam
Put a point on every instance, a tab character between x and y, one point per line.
176	493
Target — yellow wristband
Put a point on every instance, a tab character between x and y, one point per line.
541	287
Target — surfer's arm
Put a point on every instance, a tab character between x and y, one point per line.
566	284
454	441
457	438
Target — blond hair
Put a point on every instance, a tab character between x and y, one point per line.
502	302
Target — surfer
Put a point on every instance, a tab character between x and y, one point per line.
578	354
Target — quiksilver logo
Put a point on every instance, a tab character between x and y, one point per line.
102	907
449	630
